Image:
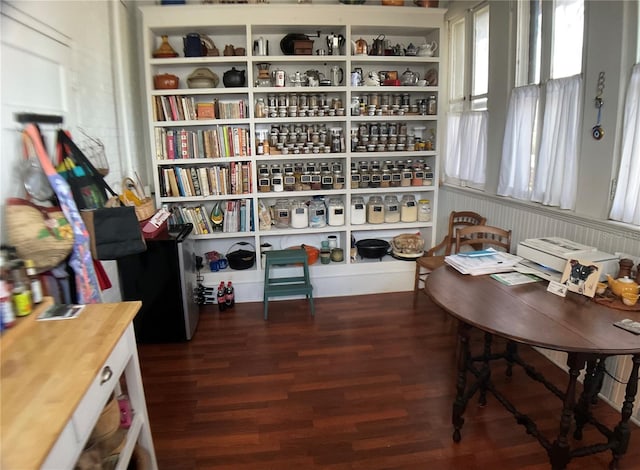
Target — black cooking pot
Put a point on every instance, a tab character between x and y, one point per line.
372	248
241	258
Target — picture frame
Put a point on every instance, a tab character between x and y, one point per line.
581	276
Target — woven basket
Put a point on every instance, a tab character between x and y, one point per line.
41	234
132	195
108	423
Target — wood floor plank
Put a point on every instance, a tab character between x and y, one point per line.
368	383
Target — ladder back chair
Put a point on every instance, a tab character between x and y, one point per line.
482	236
432	260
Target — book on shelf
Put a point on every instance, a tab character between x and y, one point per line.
488	262
206	111
195	180
171	144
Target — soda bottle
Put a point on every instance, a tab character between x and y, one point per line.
230	300
221	297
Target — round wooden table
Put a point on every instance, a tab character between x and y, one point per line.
528	314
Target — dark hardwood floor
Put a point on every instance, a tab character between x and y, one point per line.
366	384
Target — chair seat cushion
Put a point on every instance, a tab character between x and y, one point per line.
430	262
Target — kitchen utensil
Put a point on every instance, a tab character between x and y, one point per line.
378	46
193	45
409	78
335	42
427	49
241	258
372	248
164	50
336	75
287	42
261	46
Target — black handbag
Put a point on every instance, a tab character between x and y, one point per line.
113	228
114	231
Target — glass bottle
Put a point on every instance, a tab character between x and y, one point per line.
21	293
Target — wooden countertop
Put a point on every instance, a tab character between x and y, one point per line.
46	368
529	314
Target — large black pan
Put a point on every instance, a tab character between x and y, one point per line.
372	248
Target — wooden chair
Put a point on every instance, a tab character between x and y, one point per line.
482	236
432	260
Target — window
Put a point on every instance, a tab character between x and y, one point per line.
466	149
540	149
626	203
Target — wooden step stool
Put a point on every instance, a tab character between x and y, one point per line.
285	286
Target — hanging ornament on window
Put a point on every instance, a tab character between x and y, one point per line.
597	131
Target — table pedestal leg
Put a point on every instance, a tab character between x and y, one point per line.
622	431
591	386
559	454
512	350
486	370
460	402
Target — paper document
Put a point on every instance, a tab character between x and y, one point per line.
515	278
491	262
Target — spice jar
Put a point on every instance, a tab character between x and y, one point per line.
355	179
299	214
391	209
358	211
336	212
424	210
338	180
282	213
408	209
407	176
375	210
316	180
260	110
385	178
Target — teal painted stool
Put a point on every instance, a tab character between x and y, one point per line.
285	286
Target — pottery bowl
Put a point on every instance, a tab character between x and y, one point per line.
165	81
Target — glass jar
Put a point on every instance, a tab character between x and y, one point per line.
338	180
260	109
358	211
335	215
327	180
407	176
424	210
299	214
317	214
391	209
316	180
385	178
396	177
277	183
375	179
408	208
375	210
418	177
282	213
355	179
365	178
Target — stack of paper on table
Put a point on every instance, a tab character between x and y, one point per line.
487	261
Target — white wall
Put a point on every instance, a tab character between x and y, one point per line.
58	58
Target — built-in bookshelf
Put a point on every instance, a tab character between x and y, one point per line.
222	145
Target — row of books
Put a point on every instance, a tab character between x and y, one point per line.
214	180
234	216
185	108
216	142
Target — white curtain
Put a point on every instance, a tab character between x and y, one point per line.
626	203
517	146
556	175
466	154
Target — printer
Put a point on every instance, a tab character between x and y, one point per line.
546	257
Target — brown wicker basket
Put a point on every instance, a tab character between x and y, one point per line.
133	195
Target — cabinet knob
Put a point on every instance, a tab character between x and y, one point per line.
106	375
